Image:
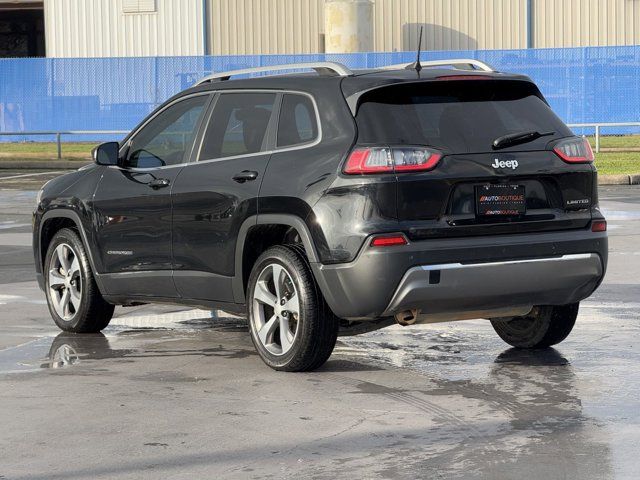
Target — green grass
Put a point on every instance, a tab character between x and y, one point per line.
618	163
626	141
45	150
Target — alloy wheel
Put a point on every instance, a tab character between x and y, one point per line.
65	282
276	309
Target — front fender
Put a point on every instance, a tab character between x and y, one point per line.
81	227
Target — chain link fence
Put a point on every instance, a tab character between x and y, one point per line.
583	85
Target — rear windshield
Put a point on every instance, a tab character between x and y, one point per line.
456	116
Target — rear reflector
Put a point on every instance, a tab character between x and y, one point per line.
372	160
388	241
599	226
574	150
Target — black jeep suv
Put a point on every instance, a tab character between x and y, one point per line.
334	201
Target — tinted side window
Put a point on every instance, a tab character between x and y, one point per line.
238	125
297	124
166	138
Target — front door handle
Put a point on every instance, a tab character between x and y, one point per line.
157	183
245	176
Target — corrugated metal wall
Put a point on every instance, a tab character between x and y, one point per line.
99	28
296	26
266	26
450	25
573	23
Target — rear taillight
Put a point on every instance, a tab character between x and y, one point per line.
574	150
599	226
372	160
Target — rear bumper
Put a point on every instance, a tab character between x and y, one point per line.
453	277
514	284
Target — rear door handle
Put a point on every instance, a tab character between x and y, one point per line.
245	176
157	183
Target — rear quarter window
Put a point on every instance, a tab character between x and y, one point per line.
297	124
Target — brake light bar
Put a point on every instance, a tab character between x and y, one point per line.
372	160
388	240
464	77
574	150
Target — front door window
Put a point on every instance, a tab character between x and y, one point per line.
166	140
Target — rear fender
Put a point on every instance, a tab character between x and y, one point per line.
268	219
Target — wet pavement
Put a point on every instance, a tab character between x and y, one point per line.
26	179
166	392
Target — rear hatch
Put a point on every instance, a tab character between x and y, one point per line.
473	187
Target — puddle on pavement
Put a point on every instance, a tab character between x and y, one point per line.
180	319
125	337
417	347
452	351
546	357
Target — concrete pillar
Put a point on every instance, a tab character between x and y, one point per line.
348	26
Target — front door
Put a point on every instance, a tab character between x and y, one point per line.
213	196
133	202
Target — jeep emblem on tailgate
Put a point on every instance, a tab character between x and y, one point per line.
513	164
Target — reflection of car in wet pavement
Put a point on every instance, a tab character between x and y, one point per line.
68	349
325	202
537	393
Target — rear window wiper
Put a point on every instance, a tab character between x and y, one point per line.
518	138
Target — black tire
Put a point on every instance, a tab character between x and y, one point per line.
93	313
543	327
316	326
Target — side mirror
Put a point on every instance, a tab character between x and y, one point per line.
106	153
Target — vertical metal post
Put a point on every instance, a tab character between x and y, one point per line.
597	138
205	28
59	144
529	12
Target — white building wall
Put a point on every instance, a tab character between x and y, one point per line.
100	28
241	27
450	24
297	26
577	23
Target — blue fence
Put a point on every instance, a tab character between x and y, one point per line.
584	85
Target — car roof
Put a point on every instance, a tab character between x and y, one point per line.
359	80
352	86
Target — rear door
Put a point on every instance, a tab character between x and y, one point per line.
476	189
132	203
213	196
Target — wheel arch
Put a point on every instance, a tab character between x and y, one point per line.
55	220
267	227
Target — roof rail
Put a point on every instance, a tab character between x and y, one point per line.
322	68
454	62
